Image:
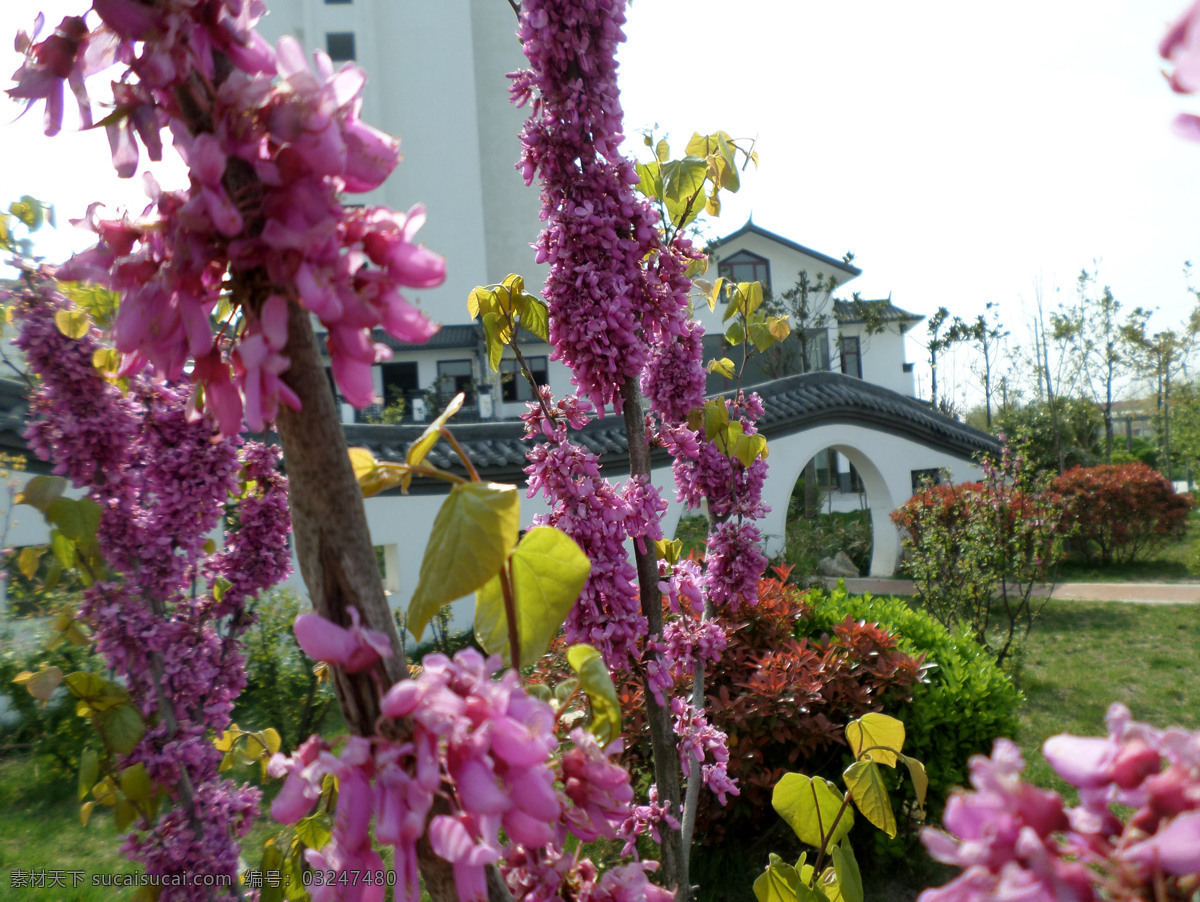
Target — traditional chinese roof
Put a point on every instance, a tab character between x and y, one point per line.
751	229
498	451
845	312
790	405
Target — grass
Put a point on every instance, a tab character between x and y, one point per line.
1083	656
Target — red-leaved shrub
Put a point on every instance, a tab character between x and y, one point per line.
1121	511
782	701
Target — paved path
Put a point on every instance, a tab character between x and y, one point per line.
1140	593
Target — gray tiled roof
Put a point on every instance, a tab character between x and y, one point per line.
791	404
498	450
845	312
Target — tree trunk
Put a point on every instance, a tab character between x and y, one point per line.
662	736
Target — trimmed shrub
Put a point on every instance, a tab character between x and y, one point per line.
1121	511
963	702
977	550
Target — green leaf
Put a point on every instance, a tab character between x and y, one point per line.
481	300
89	772
95	694
75	519
424	444
849	878
760	334
778	882
124	813
722	367
735	332
497	335
535	318
727	439
564	690
121	728
651	181
272	860
64	549
662	151
136	783
40	491
29	558
85	812
810	806
920	780
668	551
747	448
72	323
683	179
472	534
876	737
716	418
597	683
864	781
548	571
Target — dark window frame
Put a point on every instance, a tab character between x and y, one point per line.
514	387
455	385
732	268
332	38
845	353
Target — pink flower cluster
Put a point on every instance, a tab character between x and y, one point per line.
699	741
1016	841
270	143
162	480
484	745
1181	46
600	519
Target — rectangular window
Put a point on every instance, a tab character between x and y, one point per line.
818	350
456	376
746	267
340	46
851	357
399	382
513	384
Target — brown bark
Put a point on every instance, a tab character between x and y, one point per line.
674	871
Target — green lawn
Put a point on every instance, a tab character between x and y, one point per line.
1083	656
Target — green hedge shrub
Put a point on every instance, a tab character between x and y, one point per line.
961	706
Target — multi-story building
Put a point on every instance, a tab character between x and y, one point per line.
437	78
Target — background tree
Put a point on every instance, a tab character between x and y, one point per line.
1089	338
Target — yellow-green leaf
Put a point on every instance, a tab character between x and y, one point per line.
864	782
810	806
747	448
497	335
535	318
735	333
72	323
727	438
597	683
876	737
64	549
121	728
40	491
85	812
95	693
778	882
124	813
136	783
28	559
89	772
779	327
716	418
472	534
41	685
849	879
920	780
668	551
547	571
76	519
424	444
722	367
480	300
